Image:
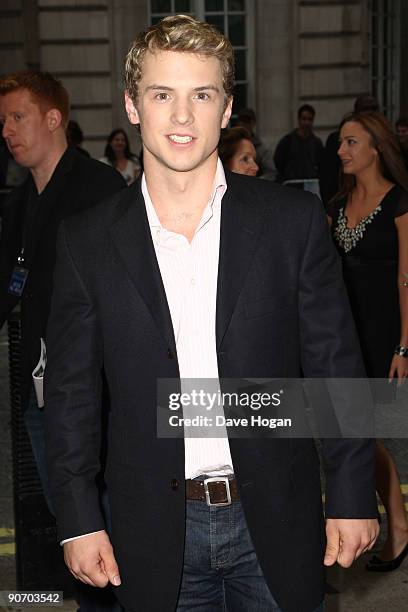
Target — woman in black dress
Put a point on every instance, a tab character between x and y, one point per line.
369	221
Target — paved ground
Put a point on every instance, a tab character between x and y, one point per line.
358	590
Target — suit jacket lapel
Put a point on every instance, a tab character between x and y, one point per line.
132	238
241	225
240	228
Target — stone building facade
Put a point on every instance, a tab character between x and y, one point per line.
324	52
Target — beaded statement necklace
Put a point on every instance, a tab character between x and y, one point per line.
348	237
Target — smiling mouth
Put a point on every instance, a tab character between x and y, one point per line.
180	139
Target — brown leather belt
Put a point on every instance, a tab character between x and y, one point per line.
216	491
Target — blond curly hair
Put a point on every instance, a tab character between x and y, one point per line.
179	33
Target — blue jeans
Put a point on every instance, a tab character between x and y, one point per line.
34	422
221	570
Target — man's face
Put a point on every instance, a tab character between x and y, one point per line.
402	133
306	121
181	109
25	128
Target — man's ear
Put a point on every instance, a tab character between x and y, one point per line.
54	119
131	110
227	112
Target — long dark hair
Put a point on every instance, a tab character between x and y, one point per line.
109	153
385	142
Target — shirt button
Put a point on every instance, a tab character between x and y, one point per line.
192	281
174	484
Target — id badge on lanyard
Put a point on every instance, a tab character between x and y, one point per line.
18	277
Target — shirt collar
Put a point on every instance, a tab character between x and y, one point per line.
219	188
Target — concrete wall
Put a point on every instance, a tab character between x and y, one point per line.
305	51
83	42
332	61
127	19
75	46
274	65
404	61
18	41
309	51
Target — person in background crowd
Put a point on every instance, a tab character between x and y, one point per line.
369	222
237	151
193	272
118	155
34	108
75	137
401	128
4	157
299	153
264	157
330	169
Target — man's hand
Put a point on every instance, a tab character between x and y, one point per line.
347	539
90	559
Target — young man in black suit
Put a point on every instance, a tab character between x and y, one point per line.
34	109
194	272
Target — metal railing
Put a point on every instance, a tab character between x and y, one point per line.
39	562
311	185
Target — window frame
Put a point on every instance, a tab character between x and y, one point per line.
198	10
385	80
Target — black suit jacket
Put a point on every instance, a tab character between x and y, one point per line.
77	183
281	308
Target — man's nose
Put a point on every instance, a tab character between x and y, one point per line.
182	112
7	129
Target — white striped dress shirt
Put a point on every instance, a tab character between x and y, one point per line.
189	272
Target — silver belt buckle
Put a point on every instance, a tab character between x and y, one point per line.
223	479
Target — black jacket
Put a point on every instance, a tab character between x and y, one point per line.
76	184
298	158
281	309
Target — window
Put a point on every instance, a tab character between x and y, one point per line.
161	8
234	19
385	58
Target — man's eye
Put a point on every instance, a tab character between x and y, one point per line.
18	116
202	95
351	141
162	96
